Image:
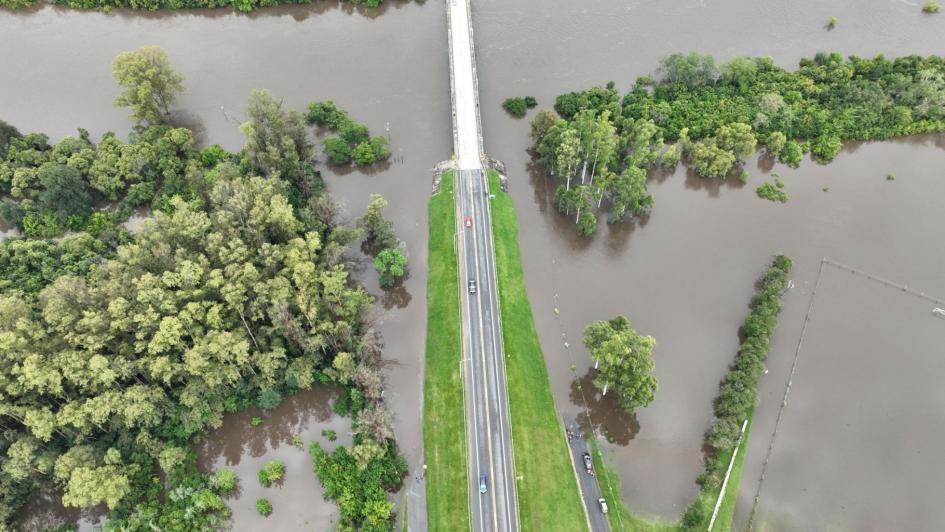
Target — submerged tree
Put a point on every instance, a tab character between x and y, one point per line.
150	84
624	359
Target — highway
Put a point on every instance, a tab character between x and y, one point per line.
488	429
487	413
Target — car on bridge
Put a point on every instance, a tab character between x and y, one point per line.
469	221
483	484
471	285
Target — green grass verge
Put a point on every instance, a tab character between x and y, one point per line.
444	422
727	509
547	492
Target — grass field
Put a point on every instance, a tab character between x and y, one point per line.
547	490
444	422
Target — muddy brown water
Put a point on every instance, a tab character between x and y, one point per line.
57	77
685	276
297	502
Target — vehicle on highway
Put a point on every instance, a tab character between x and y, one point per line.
472	286
587	461
483	487
469	221
603	505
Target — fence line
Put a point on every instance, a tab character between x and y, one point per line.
800	342
884	281
787	390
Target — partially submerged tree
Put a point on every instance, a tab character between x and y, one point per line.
150	84
624	361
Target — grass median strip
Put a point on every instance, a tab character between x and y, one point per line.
547	491
444	422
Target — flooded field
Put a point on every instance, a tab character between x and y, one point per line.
684	276
296	501
858	445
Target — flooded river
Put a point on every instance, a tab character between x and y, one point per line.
684	277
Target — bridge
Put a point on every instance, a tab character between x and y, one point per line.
489	436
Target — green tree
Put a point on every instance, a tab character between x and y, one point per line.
276	140
264	507
337	150
775	143
543	121
738	139
515	106
150	84
64	191
792	154
624	359
391	264
363	154
378	230
272	472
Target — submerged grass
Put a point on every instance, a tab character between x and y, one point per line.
548	495
444	422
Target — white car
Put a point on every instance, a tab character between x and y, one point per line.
603	505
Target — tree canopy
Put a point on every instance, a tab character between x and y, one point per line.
624	359
714	117
150	84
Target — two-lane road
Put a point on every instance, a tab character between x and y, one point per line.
490	438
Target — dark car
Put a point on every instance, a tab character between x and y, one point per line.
587	461
472	286
483	484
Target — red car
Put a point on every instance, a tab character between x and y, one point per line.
469	221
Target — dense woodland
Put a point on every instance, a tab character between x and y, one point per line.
118	350
601	145
153	5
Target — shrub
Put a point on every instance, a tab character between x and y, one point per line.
364	154
771	192
825	147
832	23
380	148
531	102
931	7
515	106
264	507
792	154
256	421
330	434
224	480
337	150
271	472
269	399
326	114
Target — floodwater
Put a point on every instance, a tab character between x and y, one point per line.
56	66
685	276
297	502
859	444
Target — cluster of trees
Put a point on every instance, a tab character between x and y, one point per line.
51	188
354	141
715	117
738	392
115	354
360	485
380	241
153	5
518	106
773	191
624	361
